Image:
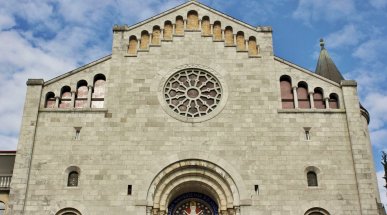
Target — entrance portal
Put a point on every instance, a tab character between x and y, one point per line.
193	204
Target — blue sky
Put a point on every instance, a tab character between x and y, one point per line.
45	38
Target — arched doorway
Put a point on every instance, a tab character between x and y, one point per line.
193	187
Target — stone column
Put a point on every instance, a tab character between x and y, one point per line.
326	103
311	99
295	97
57	100
72	103
89	94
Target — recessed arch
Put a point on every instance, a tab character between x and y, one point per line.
50	100
179	25
209	176
99	88
168	30
192	20
132	49
217	31
81	94
334	101
206	26
144	42
228	36
303	95
65	97
156	34
318	98
240	41
253	48
287	97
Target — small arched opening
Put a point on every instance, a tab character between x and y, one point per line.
179	29
132	49
303	95
50	100
217	31
156	34
81	94
192	20
318	98
287	97
65	97
206	26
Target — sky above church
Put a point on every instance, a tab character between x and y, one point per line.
46	38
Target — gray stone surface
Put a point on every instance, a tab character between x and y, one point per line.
251	139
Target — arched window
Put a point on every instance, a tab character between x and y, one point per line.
318	98
168	30
192	20
287	97
68	211
98	96
65	97
132	50
81	96
144	42
316	211
179	30
73	179
217	31
303	95
240	41
312	179
333	101
253	49
228	36
206	26
2	208
50	100
156	35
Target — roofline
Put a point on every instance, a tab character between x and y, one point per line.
279	59
257	29
78	70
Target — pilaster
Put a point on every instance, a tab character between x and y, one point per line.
361	151
21	173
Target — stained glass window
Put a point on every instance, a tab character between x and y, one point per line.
192	93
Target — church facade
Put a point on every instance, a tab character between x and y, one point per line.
193	114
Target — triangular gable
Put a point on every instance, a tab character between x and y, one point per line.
205	7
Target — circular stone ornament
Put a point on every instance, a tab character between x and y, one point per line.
193	94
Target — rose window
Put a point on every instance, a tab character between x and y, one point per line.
192	92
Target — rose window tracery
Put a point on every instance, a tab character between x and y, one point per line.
192	93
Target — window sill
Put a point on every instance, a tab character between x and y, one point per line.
298	110
103	110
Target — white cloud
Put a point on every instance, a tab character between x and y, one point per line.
382	190
378	4
326	10
349	35
376	104
6	21
372	50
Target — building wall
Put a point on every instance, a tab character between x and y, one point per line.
132	139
